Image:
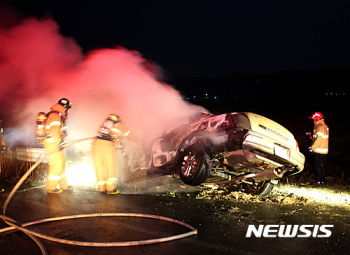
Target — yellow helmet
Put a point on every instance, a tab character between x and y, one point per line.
114	118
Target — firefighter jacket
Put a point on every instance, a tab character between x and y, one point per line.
119	130
3	146
320	138
55	124
113	132
2	141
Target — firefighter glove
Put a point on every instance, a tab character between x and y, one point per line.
310	150
61	145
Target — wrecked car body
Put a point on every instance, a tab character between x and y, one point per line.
240	148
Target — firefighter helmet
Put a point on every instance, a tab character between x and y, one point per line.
65	103
316	115
114	118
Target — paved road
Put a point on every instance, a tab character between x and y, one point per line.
221	225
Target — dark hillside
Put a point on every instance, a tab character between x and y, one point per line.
283	85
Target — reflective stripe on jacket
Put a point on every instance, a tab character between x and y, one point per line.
320	139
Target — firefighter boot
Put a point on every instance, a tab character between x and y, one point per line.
113	192
69	187
55	191
111	186
102	187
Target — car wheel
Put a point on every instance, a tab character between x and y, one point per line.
261	188
194	165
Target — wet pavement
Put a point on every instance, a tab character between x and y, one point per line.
221	225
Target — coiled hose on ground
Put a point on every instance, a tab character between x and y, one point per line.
14	225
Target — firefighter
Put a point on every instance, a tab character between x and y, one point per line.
109	138
3	148
55	128
319	146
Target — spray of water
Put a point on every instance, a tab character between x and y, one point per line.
38	66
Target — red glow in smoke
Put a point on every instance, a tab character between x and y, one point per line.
38	66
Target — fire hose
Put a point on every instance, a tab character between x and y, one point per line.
14	225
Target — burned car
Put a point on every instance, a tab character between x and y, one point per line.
241	149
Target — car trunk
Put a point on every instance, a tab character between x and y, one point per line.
271	129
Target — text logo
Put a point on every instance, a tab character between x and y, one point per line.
288	231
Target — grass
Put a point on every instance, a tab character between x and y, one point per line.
12	171
334	175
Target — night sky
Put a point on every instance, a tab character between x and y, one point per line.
209	38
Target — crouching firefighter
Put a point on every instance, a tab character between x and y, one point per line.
109	138
55	128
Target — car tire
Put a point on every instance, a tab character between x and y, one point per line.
262	188
194	165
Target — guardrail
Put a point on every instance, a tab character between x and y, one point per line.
26	154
